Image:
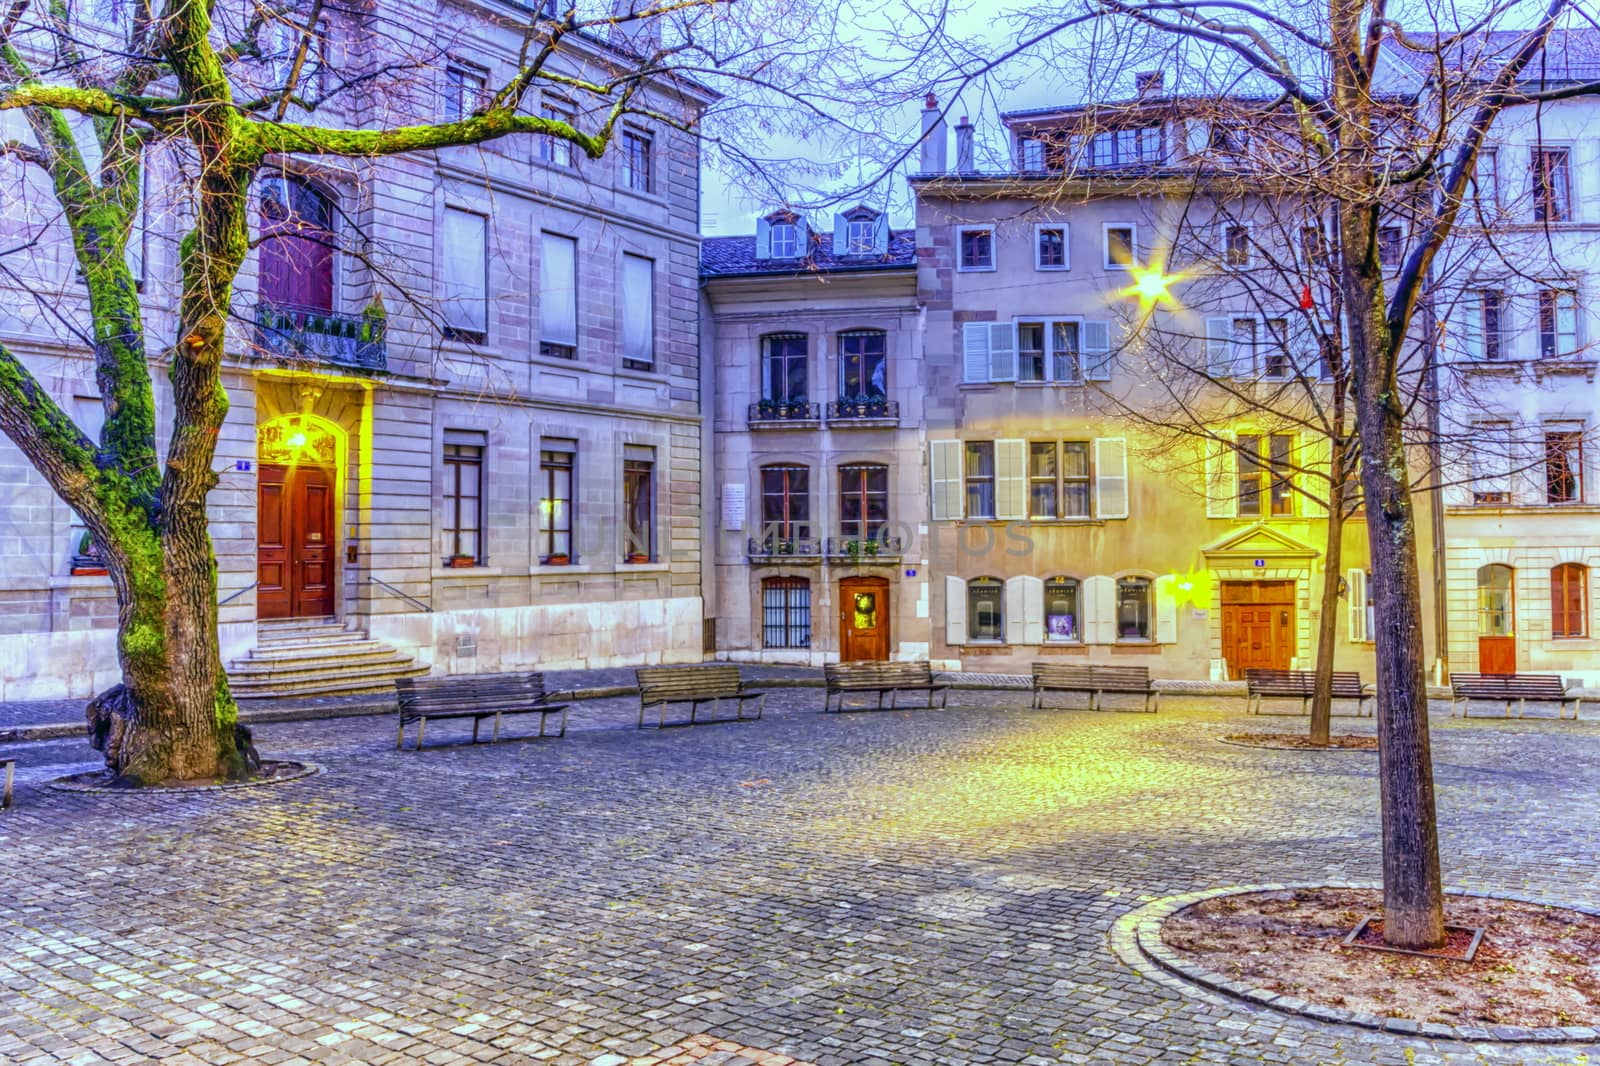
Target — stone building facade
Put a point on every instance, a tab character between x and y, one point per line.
466	394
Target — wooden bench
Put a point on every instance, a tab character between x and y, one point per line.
1464	688
694	685
891	678
9	766
475	696
1095	680
1301	685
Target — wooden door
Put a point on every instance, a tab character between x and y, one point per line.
1497	655
294	542
863	619
1258	630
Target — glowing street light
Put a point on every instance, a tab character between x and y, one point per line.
1151	285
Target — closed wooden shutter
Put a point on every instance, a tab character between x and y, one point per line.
1166	590
1002	351
1222	482
1099	610
1219	347
1316	468
1355	591
955	610
1016	612
763	239
975	351
1011	479
1095	343
944	466
1111	477
1032	610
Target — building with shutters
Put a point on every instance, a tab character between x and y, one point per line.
1065	523
815	344
465	429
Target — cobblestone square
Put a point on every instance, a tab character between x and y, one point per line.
910	887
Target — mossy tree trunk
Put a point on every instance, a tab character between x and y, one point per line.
1328	622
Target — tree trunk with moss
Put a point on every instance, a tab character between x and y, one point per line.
1328	622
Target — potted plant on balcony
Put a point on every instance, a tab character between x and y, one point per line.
768	410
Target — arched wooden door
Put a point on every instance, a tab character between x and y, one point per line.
295	531
863	619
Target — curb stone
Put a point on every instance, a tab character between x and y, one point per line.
307	769
1136	937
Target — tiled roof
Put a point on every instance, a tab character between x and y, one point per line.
734	256
1569	55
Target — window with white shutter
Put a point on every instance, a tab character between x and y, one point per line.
1358	619
975	351
1011	479
1166	588
955	611
1032	610
466	274
1219	353
558	296
1002	351
638	312
1111	477
1015	612
944	465
1099	610
1316	468
1097	355
1221	487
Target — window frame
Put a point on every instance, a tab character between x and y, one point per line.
862	493
645	360
859	234
790	228
861	357
452	331
1269	473
788	526
1243	256
637	164
1487	611
639	494
1393	239
1573	577
557	151
453	500
1543	195
1039	230
961	256
552	348
1149	620
1064	583
1555	436
768	393
557	455
459	77
1550	333
796	618
970	481
1106	229
986	585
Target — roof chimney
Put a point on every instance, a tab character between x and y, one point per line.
964	147
934	140
1147	83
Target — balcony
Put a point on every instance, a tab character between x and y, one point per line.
865	412
785	414
864	552
306	336
797	551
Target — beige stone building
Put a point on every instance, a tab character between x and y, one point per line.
465	430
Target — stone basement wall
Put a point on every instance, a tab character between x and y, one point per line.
78	664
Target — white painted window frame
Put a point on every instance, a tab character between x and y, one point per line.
994	249
1105	245
1066	246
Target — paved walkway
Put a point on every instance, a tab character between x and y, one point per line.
913	887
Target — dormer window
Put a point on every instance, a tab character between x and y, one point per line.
860	236
785	240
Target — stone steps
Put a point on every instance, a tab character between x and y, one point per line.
317	657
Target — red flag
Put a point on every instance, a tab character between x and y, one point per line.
1306	302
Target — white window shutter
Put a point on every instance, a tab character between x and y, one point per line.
975	351
944	466
1016	612
1471	327
763	239
1355	593
1095	343
1166	590
1222	483
1032	610
1316	469
841	235
880	235
955	611
1099	610
1011	479
1219	347
1002	351
1111	477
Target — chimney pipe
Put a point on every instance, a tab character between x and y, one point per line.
1147	83
964	164
934	140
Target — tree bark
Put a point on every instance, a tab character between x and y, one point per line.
1328	622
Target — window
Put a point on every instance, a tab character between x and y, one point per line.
1491	463
558	297
1274	467
1569	601
1119	247
280	41
1486	181
975	248
1125	147
557	150
1133	608
785	506
980	479
297	257
465	90
783	369
639	503
1496	616
984	595
555	502
786	612
637	163
1030	154
1389	245
466	275
463	495
863	501
862	366
1484	340
1050	248
1558	322
1552	184
859	236
1058	479
1061	618
786	240
1278	361
1066	366
638	312
1236	246
1563	465
1242	338
1030	351
1314	243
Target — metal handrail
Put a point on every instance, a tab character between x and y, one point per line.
889	548
235	595
404	596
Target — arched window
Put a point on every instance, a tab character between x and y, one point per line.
297	245
863	366
786	612
1062	609
1569	600
1496	614
984	598
783	368
1133	608
785	506
863	500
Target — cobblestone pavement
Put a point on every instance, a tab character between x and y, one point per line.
912	887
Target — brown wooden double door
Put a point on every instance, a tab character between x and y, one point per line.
294	549
863	619
1258	630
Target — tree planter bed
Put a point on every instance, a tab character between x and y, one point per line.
272	772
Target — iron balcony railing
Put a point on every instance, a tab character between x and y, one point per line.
863	409
796	549
785	411
319	337
865	549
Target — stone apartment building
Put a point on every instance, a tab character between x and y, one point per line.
465	430
818	412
